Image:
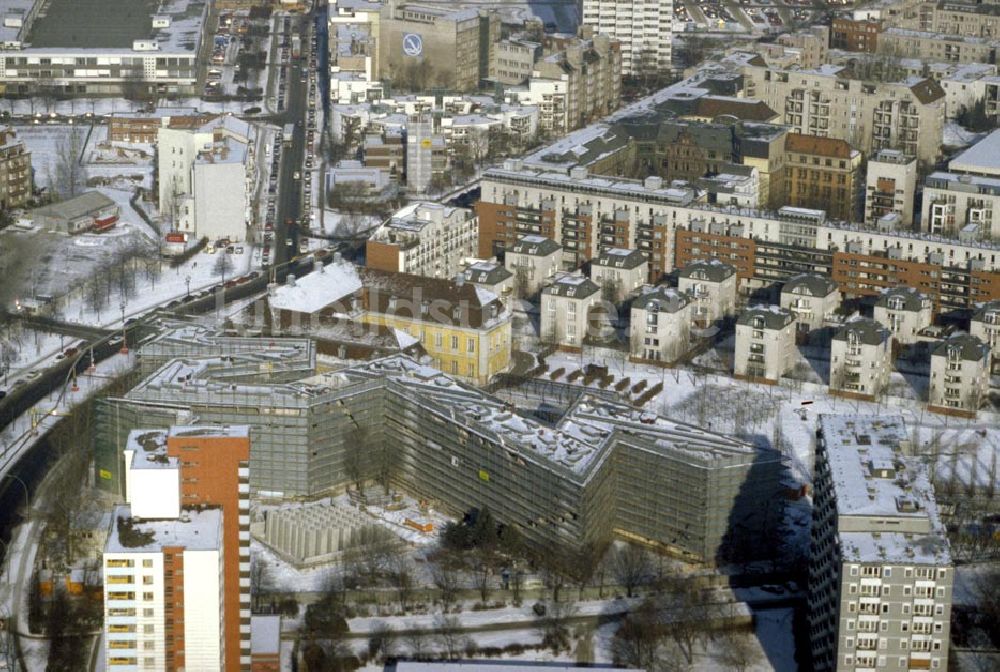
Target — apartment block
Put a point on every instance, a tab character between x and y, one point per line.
960	375
208	178
702	496
533	260
937	47
582	213
425	239
985	326
904	311
15	171
660	325
852	35
465	330
183	543
574	83
860	360
491	276
765	344
880	575
825	173
891	187
712	286
908	115
645	30
619	272
957	205
513	60
812	298
354	29
163	577
565	316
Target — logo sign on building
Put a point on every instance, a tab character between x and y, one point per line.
413	44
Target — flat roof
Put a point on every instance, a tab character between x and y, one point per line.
873	479
195	530
78	25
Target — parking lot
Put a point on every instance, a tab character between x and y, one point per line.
758	16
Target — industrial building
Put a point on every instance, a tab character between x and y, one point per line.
880	573
90	211
688	491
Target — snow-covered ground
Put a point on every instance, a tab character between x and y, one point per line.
956	136
29	347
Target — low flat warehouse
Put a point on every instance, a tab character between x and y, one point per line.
72	48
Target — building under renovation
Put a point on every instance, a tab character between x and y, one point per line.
603	469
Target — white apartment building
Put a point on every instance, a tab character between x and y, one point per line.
208	178
812	298
619	272
645	30
962	201
985	326
491	276
565	311
765	343
961	205
534	261
960	375
427	239
712	287
904	312
860	359
660	325
908	115
890	187
880	575
156	552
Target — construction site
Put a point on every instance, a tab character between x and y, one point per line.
602	469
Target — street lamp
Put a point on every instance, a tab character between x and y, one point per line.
124	349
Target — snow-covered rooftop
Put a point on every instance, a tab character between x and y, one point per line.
317	290
877	488
195	530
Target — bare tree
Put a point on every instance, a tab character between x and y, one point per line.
448	631
553	624
258	580
446	580
416	642
684	613
223	264
401	577
738	652
382	641
484	562
70	175
631	567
